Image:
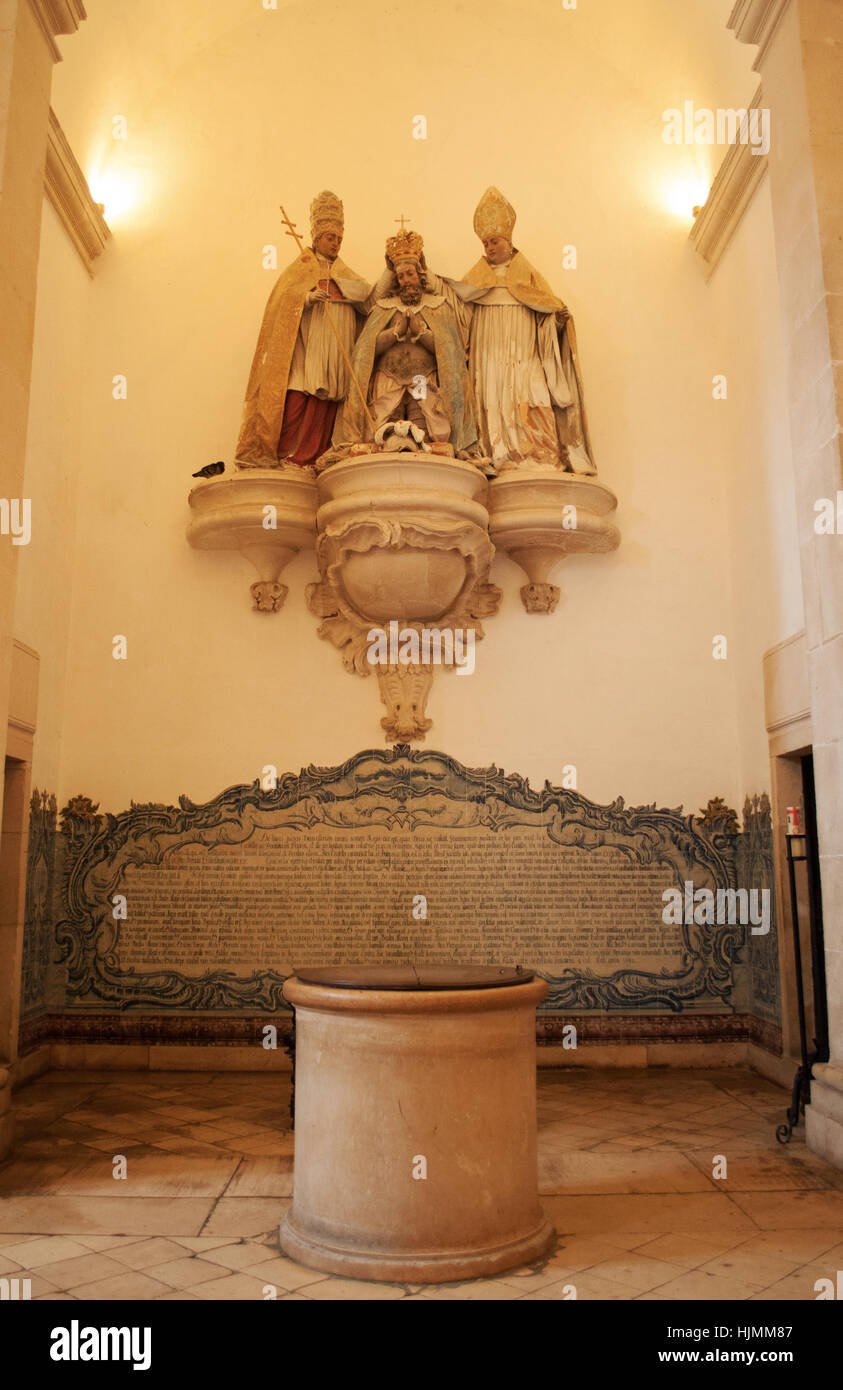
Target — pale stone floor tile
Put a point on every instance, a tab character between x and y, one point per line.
634	1125
696	1285
178	1296
187	1113
797	1286
203	1243
773	1172
67	1274
693	1212
637	1272
794	1210
231	1286
98	1243
245	1216
252	1145
262	1177
159	1175
39	1284
55	1298
622	1240
758	1268
97	1216
131	1285
588	1286
685	1250
478	1291
37	1251
213	1132
293	1298
141	1254
239	1256
582	1252
803	1246
190	1148
620	1173
283	1272
527	1281
182	1274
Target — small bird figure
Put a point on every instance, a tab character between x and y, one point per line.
210	470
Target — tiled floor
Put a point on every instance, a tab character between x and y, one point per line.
625	1171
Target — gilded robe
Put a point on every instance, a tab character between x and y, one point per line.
282	348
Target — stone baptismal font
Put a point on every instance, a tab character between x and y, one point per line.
415	1122
406	430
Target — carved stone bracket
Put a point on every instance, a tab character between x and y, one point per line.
540	515
404	543
403	549
268	514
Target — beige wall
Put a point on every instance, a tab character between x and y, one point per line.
224	124
45	575
767	604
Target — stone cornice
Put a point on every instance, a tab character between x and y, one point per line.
68	191
756	21
735	185
57	17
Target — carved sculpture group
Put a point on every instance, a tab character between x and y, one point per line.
484	368
407	431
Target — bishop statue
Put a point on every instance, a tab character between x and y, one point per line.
523	357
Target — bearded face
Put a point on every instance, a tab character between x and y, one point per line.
409	282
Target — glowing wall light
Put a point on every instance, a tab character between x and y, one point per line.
120	187
684	193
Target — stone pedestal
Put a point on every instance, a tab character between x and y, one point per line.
268	514
539	515
415	1128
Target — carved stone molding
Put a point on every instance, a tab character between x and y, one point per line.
68	191
735	185
756	21
403	542
57	17
540	516
268	514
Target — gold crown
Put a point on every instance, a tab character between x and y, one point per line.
494	216
325	211
405	246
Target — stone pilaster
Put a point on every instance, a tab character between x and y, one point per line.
800	57
29	32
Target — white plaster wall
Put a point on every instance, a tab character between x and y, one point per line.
767	603
232	109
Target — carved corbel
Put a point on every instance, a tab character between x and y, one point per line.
268	514
538	516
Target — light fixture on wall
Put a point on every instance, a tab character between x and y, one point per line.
686	195
117	188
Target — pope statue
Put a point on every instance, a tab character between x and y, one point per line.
299	375
523	360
